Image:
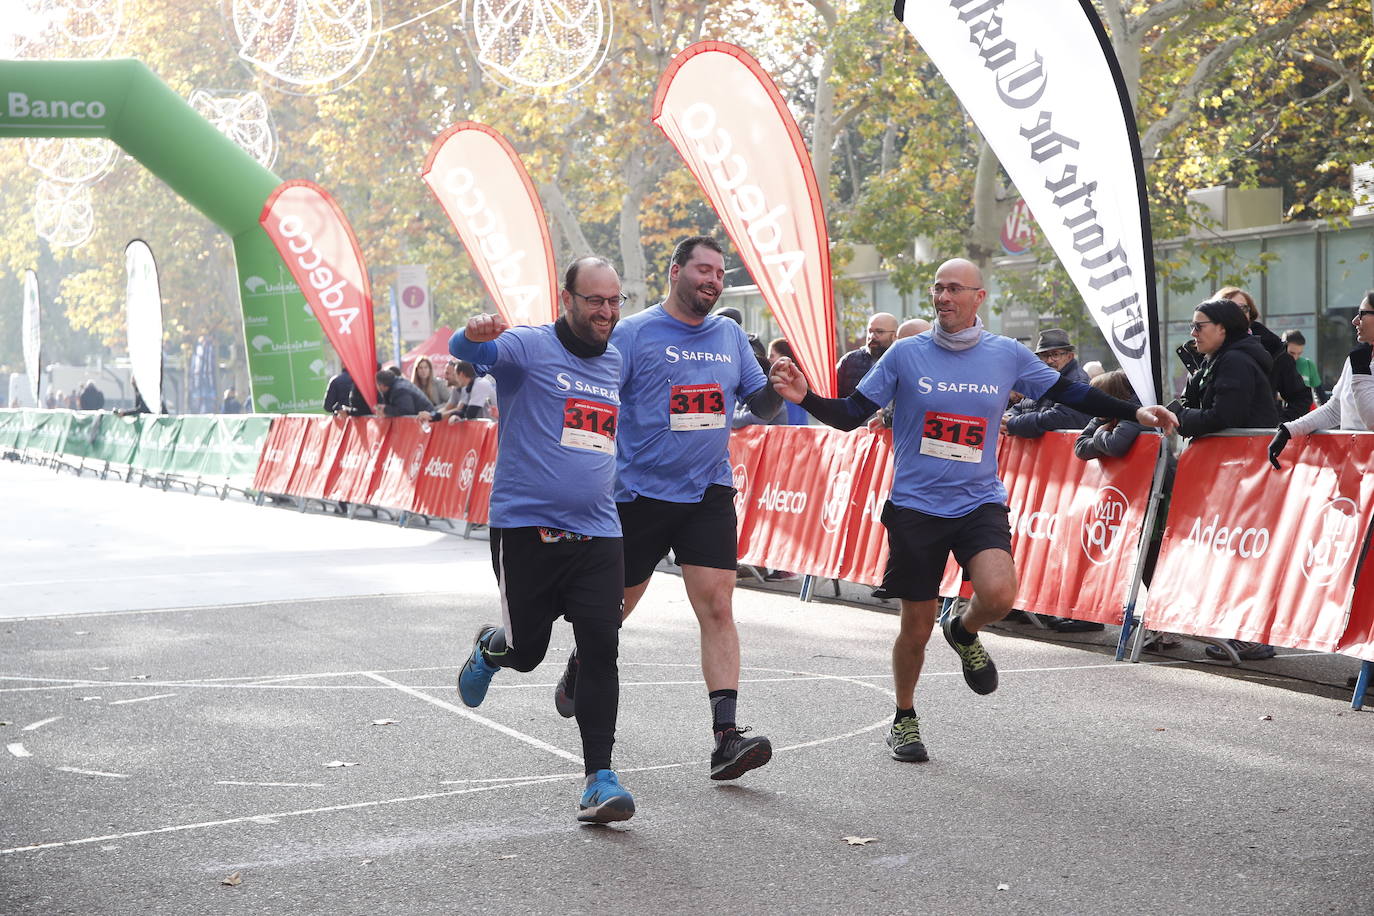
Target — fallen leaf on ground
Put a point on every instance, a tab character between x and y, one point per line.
340	763
1004	887
140	677
1160	729
859	840
383	721
232	881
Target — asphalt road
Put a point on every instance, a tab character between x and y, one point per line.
178	673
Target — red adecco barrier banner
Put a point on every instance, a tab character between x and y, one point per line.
1257	554
280	453
399	463
746	450
358	460
865	538
479	500
1075	524
451	468
800	499
320	444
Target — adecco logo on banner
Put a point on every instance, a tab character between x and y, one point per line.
1337	539
836	501
468	470
1250	543
739	479
417	458
1038	526
1103	523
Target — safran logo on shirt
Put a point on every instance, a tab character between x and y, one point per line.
925	384
674	354
566	382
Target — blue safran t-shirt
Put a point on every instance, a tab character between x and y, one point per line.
555	464
947	414
680	384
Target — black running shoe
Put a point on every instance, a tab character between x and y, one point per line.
905	741
564	694
736	755
979	672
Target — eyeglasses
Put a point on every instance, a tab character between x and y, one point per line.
596	302
1361	313
1055	354
953	289
1197	325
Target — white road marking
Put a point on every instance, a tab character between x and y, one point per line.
156	696
93	773
257	818
301	785
17	749
34	726
483	720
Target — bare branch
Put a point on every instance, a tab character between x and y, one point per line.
1358	97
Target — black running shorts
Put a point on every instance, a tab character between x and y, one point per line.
919	546
541	581
699	534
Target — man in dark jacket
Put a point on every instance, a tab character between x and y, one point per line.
91	397
342	397
1231	389
399	397
1032	419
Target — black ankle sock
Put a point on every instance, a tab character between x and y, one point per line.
961	636
904	714
723	709
495	648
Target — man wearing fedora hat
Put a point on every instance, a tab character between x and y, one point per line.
1032	419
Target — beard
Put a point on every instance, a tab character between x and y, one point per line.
700	304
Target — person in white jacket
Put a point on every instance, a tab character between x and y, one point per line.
1351	405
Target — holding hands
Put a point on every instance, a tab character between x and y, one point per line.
1160	417
788	380
482	328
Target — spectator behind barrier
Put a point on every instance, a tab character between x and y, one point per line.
91	397
343	399
1032	419
231	403
1294	397
1295	343
1352	400
743	415
398	397
1231	389
422	377
854	365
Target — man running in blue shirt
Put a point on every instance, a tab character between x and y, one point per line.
949	386
684	370
555	535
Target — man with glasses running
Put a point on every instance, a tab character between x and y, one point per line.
1351	405
950	386
684	370
555	535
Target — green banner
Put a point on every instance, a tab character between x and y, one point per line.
117	439
123	100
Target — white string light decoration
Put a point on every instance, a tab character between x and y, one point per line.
242	117
71	160
537	45
307	46
62	213
48	29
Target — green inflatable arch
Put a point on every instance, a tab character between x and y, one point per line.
124	101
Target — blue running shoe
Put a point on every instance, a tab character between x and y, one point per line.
475	677
605	800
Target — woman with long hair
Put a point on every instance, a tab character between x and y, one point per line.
422	376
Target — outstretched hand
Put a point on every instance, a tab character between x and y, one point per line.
482	328
788	380
1161	418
